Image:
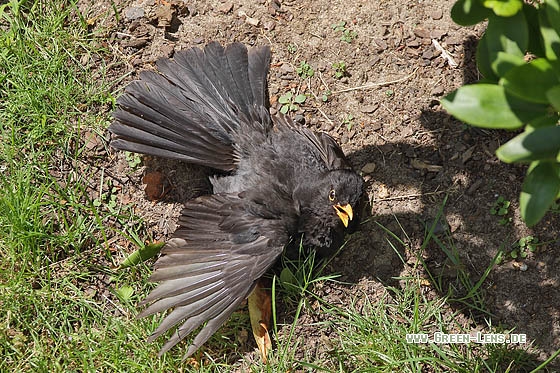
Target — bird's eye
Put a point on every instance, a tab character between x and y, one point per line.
332	195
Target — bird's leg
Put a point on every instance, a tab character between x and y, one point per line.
260	310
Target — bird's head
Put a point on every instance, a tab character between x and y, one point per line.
327	204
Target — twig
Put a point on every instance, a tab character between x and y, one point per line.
380	84
444	54
409	196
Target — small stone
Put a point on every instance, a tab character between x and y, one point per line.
226	7
437	14
250	20
369	168
299	119
368	109
452	40
133	12
428	54
413	43
438	34
167	50
193	11
198	40
422	32
286	68
438	90
269	25
327	126
376	126
137	61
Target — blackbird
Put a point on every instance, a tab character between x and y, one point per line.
275	180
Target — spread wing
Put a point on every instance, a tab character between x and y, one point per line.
210	266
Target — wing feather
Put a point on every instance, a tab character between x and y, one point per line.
210	266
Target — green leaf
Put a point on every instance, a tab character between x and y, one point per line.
489	106
535	39
142	254
531	81
504	62
539	144
509	35
300	99
548	120
284	109
553	96
483	60
551	39
469	12
125	292
539	191
504	8
285	98
552	9
287	277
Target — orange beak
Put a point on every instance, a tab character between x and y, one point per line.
345	213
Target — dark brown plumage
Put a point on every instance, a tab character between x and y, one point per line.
277	180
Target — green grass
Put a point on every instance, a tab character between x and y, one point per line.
63	304
53	314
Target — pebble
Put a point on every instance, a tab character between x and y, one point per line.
250	20
193	11
167	50
299	119
275	4
369	168
369	108
133	12
226	7
437	91
269	25
422	32
437	14
376	126
286	68
428	54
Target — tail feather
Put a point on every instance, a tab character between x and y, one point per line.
259	61
197	108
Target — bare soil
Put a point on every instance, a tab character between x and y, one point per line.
410	151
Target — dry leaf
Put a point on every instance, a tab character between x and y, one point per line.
154	185
164	14
260	310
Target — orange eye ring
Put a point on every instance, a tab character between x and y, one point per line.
332	195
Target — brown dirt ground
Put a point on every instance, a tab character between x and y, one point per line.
411	152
